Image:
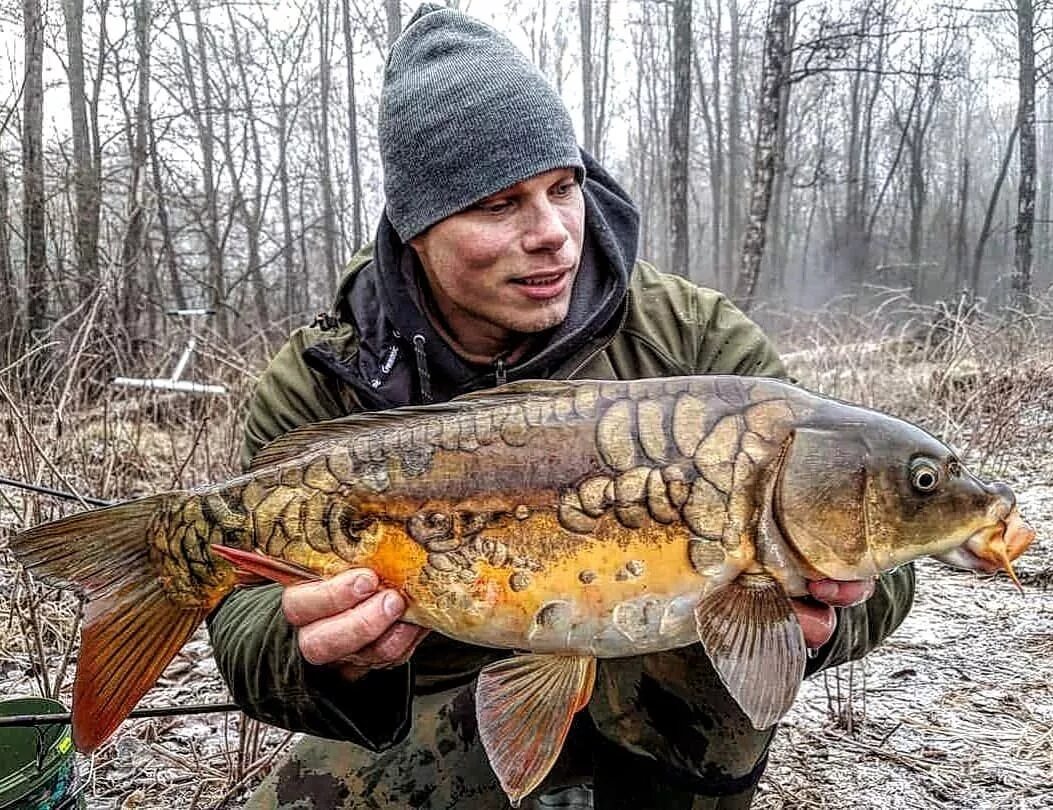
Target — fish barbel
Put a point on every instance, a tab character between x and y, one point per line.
572	520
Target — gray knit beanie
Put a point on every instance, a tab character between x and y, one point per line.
463	115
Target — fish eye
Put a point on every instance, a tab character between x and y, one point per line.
924	476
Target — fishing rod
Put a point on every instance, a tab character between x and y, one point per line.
55	493
66	717
55	718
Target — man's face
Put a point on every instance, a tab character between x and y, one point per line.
506	265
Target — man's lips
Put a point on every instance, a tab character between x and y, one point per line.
543	285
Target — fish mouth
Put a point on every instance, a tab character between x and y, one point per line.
994	547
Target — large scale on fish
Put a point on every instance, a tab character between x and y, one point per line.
567	521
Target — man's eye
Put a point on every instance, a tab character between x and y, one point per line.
565	189
498	207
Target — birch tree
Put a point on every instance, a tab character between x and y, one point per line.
770	108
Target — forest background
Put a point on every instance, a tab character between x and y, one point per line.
223	155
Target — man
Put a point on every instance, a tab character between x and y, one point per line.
504	253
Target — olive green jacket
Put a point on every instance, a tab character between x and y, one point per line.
667	327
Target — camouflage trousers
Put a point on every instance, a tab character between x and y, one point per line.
664	708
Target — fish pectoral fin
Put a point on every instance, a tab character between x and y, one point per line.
751	634
524	706
254	568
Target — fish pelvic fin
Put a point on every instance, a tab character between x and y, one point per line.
524	707
751	634
132	627
254	568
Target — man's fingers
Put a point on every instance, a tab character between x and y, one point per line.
303	604
817	621
841	594
336	638
394	647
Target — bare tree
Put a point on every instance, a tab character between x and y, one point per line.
588	112
992	205
766	151
33	200
329	230
733	142
86	152
251	206
357	229
138	138
594	81
1025	216
202	113
9	296
394	18
680	139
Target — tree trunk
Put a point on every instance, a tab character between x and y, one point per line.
680	139
594	89
329	234
1046	214
394	18
1025	212
962	228
164	222
732	143
600	127
357	228
985	230
9	296
291	306
33	200
252	211
588	114
766	151
132	245
202	112
85	172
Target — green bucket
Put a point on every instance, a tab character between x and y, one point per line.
37	766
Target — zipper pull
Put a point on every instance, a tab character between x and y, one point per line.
499	371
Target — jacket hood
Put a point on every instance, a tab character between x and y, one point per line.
403	359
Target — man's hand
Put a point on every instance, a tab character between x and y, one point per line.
816	615
346	621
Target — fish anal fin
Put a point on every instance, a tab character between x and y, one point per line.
254	568
127	641
751	634
524	706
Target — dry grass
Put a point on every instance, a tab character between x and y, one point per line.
954	711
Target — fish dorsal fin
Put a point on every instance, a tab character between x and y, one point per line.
303	439
520	388
751	635
524	706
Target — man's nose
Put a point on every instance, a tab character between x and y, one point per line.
545	230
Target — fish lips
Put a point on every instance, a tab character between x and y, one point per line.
986	550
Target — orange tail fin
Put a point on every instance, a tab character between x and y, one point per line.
132	628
